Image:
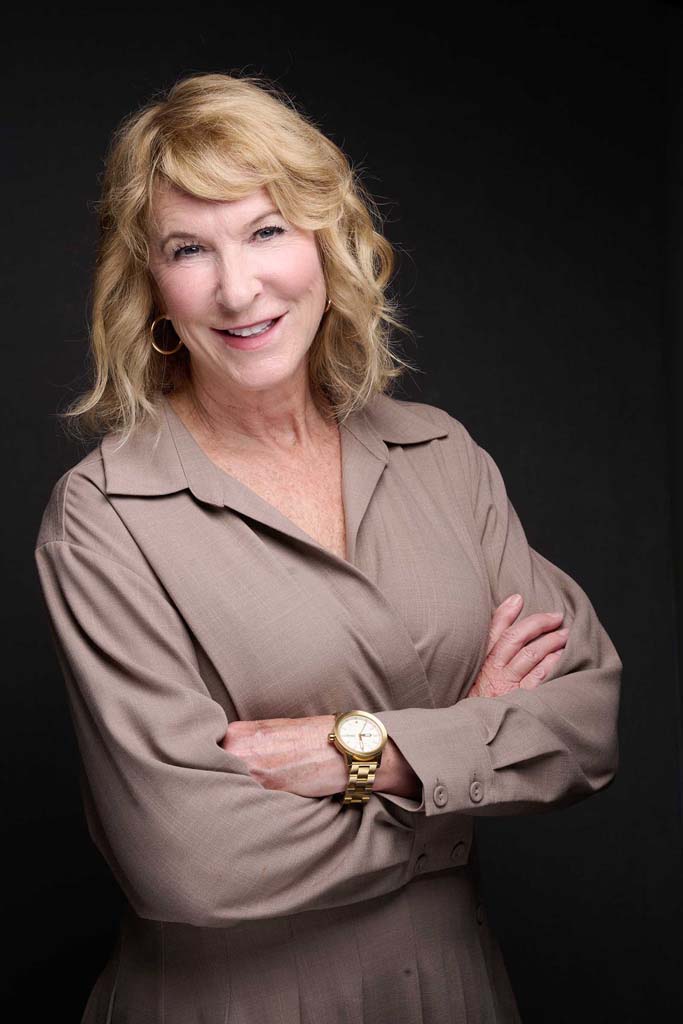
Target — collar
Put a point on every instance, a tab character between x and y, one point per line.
167	459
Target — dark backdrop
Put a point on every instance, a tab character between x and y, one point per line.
528	162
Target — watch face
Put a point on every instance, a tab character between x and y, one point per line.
360	734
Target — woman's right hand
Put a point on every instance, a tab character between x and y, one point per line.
519	654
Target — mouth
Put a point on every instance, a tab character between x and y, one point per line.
250	341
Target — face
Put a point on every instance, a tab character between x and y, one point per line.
220	265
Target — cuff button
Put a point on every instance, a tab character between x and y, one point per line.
440	795
476	792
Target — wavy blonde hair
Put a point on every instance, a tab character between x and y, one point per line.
221	137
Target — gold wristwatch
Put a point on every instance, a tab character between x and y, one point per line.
361	738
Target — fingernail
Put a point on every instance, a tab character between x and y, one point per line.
513	599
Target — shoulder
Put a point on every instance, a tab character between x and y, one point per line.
451	453
70	497
396	417
79	511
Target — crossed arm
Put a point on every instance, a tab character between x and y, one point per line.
295	755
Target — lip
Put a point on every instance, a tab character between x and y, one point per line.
253	342
254	323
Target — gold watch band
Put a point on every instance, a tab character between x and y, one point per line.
361	779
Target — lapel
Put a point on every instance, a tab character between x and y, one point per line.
169	459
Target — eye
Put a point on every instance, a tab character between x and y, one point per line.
184	251
181	250
273	227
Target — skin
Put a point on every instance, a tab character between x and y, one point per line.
255	403
237	268
520	653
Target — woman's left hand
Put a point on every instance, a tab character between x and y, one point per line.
294	754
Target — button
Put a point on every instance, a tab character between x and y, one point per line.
480	913
476	791
421	862
440	795
458	852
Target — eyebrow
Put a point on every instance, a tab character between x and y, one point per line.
191	234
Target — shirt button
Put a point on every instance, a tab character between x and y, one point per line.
476	792
440	795
421	862
458	852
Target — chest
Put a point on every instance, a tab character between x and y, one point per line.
282	630
309	494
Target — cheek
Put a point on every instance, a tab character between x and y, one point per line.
301	273
182	293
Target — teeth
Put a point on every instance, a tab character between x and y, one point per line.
247	331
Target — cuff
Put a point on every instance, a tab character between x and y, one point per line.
446	748
403	801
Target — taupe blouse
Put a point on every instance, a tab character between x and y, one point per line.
179	601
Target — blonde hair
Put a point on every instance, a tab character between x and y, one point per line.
221	137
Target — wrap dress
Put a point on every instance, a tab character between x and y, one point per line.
179	601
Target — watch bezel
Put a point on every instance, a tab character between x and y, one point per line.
365	755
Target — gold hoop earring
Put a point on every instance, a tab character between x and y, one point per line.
161	351
327	307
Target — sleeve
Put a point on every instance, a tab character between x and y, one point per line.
188	833
528	750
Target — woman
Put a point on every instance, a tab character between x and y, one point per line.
265	539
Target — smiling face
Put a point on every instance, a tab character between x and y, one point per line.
221	265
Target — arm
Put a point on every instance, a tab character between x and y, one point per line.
295	754
527	750
189	835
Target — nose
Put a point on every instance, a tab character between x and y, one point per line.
238	284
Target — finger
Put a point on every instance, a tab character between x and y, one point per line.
541	672
503	617
519	634
534	652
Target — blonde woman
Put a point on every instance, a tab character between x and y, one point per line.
304	639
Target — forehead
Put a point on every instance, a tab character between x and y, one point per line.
172	207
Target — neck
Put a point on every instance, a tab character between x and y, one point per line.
287	423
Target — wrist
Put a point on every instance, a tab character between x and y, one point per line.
395	775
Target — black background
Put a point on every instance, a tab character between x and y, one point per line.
528	163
